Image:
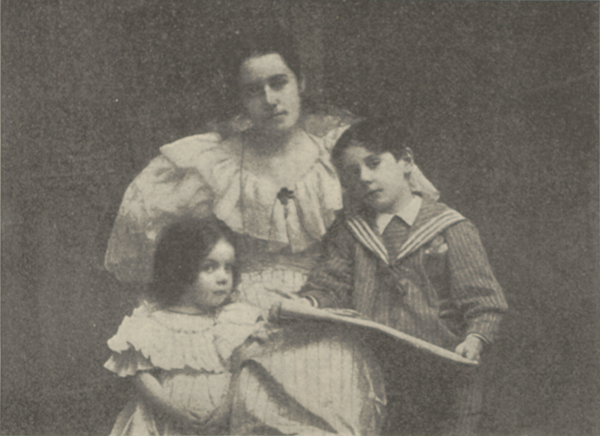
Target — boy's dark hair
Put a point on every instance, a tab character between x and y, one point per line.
377	135
257	38
179	253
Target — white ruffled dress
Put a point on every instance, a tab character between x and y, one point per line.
189	355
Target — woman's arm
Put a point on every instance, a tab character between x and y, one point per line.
161	194
149	387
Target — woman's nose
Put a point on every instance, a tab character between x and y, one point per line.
270	96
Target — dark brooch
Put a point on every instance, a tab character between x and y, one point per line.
284	195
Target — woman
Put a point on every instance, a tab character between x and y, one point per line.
267	174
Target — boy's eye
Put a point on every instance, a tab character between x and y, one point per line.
277	83
373	163
352	171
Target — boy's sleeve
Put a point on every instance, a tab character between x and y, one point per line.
475	289
330	281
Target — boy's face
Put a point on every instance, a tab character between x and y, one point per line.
376	180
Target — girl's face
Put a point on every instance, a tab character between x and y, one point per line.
270	93
214	283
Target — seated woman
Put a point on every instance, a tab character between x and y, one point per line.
267	174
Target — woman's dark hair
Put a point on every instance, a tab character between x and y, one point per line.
179	253
376	135
257	38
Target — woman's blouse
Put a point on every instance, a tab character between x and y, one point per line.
203	174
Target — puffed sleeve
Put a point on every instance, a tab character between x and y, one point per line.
127	359
161	194
128	363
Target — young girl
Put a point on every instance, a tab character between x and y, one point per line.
177	347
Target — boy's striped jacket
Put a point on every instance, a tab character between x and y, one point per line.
440	288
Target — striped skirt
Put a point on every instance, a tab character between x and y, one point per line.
304	378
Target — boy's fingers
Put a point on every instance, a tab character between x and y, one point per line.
474	355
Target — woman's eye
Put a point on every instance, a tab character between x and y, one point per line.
278	83
229	268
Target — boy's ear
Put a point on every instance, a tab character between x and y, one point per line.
301	84
407	157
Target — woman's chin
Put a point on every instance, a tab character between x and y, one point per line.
278	126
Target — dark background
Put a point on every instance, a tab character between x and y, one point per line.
504	99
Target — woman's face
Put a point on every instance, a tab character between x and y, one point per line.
270	92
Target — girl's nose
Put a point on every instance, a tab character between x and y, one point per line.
223	277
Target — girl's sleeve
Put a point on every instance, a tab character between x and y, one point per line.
161	194
128	363
127	359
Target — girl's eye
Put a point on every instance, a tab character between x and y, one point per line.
252	90
229	268
277	83
208	267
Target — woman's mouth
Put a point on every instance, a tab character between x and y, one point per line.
278	115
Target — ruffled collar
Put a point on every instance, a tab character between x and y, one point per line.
172	340
249	204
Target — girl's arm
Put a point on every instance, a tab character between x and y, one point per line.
149	387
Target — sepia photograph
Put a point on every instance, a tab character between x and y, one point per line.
309	217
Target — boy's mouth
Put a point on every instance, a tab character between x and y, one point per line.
373	193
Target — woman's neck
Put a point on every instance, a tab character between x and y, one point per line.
269	144
283	162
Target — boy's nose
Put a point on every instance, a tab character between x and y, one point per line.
366	176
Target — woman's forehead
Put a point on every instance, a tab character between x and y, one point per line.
262	67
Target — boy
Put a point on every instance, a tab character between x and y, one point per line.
407	261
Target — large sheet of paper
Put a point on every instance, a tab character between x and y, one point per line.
294	310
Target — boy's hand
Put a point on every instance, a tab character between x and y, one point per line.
470	348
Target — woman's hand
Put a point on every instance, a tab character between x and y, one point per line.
470	348
185	417
275	310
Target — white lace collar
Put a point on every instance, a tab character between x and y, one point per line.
249	205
